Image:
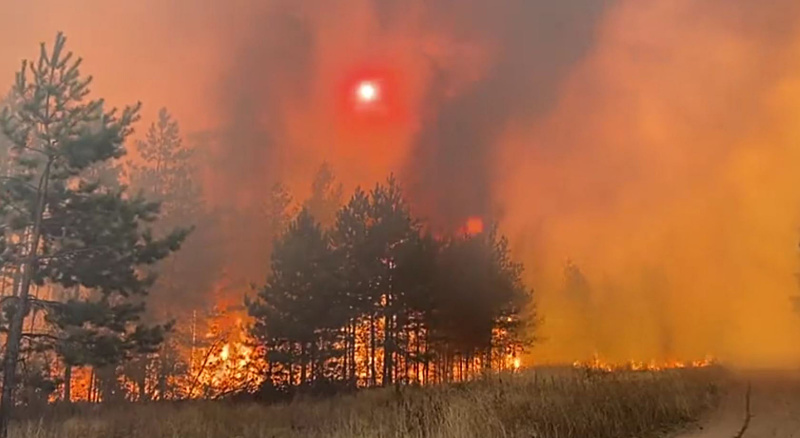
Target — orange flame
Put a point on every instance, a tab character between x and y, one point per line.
473	226
600	365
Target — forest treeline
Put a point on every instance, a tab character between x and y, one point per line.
375	300
356	293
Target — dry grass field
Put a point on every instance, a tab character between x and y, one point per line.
552	403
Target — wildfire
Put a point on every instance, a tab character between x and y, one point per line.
228	363
473	226
598	364
231	367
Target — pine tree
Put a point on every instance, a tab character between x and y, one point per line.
166	172
291	312
415	275
479	292
6	268
69	229
326	196
378	243
352	255
278	212
5	144
392	229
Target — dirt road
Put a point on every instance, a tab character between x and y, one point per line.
774	408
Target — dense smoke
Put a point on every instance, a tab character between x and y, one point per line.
653	143
667	172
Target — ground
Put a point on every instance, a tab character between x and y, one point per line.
539	403
774	407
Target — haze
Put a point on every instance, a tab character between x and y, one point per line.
654	143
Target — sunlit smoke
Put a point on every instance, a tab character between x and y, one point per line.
651	143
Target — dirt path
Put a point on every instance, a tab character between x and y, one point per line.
774	408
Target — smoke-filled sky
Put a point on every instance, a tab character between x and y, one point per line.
656	143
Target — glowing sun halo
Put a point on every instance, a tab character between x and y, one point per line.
367	92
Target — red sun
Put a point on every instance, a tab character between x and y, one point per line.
368	91
372	98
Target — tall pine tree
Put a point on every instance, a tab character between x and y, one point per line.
166	171
5	143
326	196
64	227
292	312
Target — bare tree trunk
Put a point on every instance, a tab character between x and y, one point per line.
388	350
68	384
346	359
17	320
163	369
426	367
270	372
143	382
407	366
90	395
372	375
303	363
416	354
3	278
353	365
291	373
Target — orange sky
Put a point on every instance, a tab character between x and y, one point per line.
654	142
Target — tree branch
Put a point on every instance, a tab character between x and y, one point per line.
17	209
44	302
70	252
40	151
40	336
17	180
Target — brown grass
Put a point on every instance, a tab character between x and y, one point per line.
543	403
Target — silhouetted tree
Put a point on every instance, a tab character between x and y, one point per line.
5	143
291	312
349	238
166	172
279	210
69	229
326	196
380	302
391	229
6	268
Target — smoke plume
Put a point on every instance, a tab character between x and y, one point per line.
652	143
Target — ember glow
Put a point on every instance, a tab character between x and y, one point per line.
652	365
473	226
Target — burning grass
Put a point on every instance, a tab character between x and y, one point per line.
553	403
